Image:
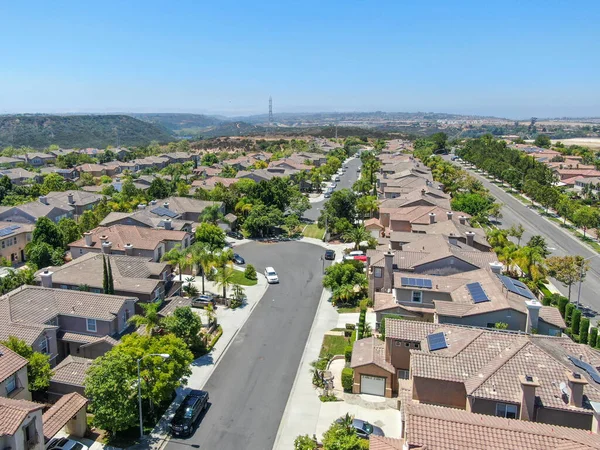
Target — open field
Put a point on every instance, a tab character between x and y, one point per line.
586	142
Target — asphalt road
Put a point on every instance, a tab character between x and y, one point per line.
250	386
346	181
559	241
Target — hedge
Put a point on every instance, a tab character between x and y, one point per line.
562	304
348	353
583	330
593	337
568	311
347	379
576	321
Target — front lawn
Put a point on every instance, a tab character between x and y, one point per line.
334	345
313	231
240	278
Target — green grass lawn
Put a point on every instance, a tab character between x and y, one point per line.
353	309
313	231
240	278
334	345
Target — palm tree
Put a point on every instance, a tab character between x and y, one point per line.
346	422
212	214
357	235
531	261
203	258
225	278
343	294
243	207
177	257
497	238
507	255
150	319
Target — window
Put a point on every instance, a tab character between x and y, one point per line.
81	251
91	325
407	344
44	346
417	345
506	410
11	384
403	374
3	244
378	272
417	297
398	343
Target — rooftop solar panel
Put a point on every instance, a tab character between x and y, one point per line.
162	211
591	370
477	293
436	341
516	287
416	282
8	230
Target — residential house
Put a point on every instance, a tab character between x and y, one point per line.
180	157
408	217
13	375
121	153
21	426
20	177
68	174
582	184
314	159
6	161
151	162
210	182
133	276
69	376
290	164
241	162
207	172
63	152
426	196
568	174
39	159
32	211
13	239
95	170
92	151
261	156
79	201
150	243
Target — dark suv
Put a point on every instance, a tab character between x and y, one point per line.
329	254
188	413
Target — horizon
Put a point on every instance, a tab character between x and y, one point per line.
508	60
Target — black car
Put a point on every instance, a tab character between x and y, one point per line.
235	234
188	413
329	254
238	259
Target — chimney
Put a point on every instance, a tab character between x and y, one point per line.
88	238
153	202
423	191
449	214
462	220
496	267
470	238
528	386
452	239
103	238
431	218
43	199
596	417
533	313
141	206
168	224
388	271
71	199
166	205
128	249
46	277
106	247
576	383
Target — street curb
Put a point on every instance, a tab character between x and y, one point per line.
322	302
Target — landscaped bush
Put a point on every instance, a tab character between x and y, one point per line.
350	326
546	301
576	321
348	353
568	312
562	304
250	272
347	379
583	330
592	340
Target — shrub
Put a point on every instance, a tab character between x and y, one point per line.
583	330
348	353
568	331
593	338
568	311
328	398
546	301
305	443
250	272
347	379
576	321
350	326
562	304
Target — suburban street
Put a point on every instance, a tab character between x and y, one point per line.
346	181
251	384
559	241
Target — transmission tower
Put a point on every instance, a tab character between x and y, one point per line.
270	111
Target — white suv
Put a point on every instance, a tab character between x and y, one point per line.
271	275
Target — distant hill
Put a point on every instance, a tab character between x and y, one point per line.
182	124
78	131
234	129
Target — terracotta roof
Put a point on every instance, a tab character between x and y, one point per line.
85	339
61	412
370	351
71	370
384	443
211	182
13	413
29	332
436	427
10	362
140	237
172	303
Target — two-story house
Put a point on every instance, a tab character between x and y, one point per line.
13	239
13	375
39	159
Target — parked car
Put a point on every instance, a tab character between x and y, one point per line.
202	301
327	194
329	254
238	259
188	413
271	275
235	234
356	253
337	178
364	429
65	444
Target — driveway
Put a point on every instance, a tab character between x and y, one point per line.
346	181
250	386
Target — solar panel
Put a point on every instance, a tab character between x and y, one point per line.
477	293
516	287
162	211
416	282
591	370
8	230
436	341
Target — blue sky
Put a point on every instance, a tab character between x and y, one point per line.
503	58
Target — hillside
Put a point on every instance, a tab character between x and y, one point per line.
78	131
182	124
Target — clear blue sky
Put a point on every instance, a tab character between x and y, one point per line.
503	58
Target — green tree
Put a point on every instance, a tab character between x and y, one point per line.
305	443
576	321
583	330
185	324
567	269
110	279
473	204
104	275
543	141
357	235
225	278
211	236
53	182
178	257
346	273
150	319
212	214
159	188
39	254
203	258
341	436
262	220
38	364
69	231
88	221
531	261
586	218
540	244
47	231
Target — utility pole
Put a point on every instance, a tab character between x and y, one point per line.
270	113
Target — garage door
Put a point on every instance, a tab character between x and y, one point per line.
372	385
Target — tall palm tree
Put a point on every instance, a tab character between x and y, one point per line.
531	261
357	235
243	207
225	278
507	255
203	258
212	214
150	319
178	257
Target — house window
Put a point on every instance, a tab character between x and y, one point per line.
44	346
407	344
378	272
91	325
397	343
11	384
81	251
3	244
506	410
403	374
417	345
417	297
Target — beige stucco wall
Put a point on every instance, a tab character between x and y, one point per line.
398	354
439	392
21	392
564	418
14	250
17	441
391	382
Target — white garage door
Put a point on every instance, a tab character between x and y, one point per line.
372	385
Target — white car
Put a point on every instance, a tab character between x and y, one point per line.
65	444
271	275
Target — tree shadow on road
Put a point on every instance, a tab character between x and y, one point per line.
204	360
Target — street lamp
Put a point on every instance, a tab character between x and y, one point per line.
581	277
162	355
